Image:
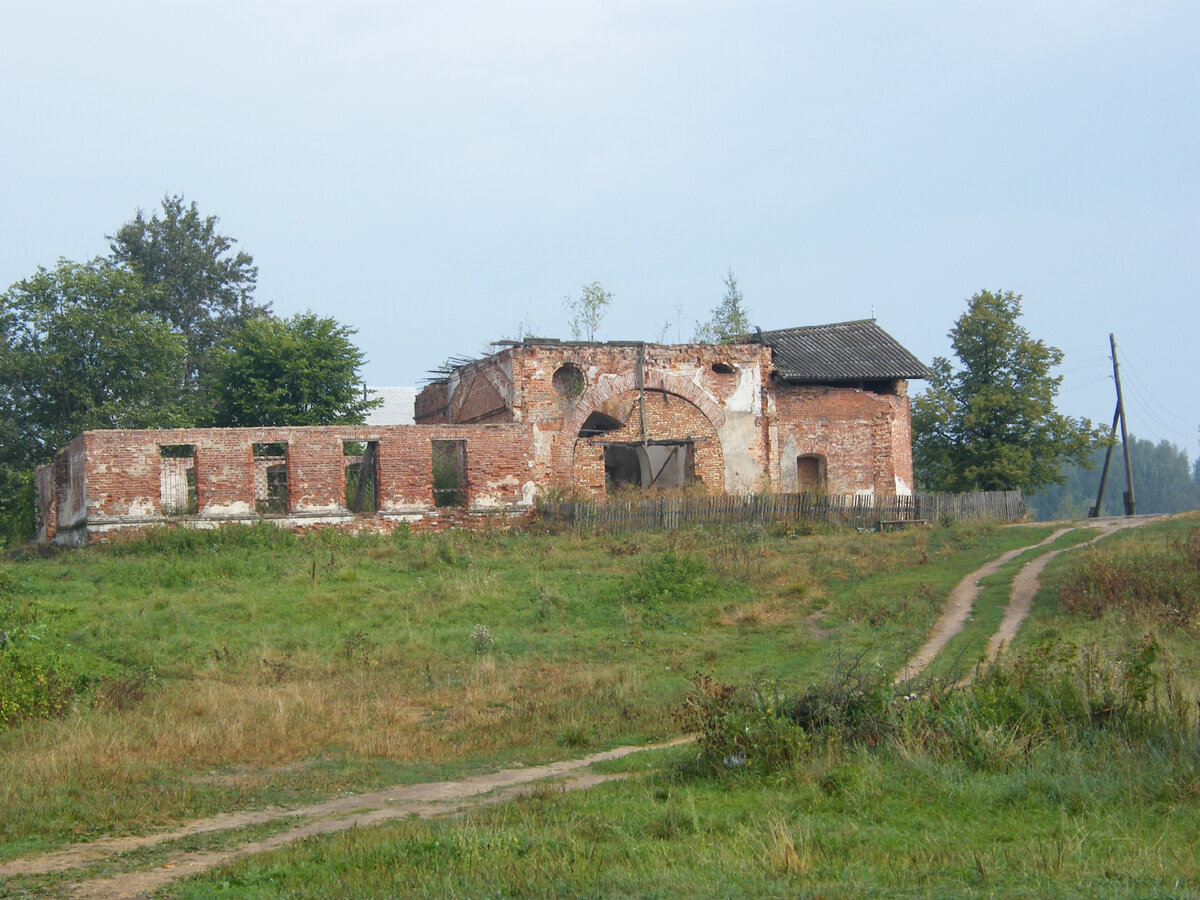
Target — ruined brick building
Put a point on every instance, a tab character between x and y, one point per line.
814	408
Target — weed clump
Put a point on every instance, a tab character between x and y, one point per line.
1057	696
670	577
1158	584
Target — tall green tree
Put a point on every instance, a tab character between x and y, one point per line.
200	284
990	423
78	352
729	320
302	370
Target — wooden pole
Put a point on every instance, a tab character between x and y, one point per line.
1094	512
1130	501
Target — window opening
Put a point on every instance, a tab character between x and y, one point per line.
270	478
598	423
568	380
177	479
362	476
449	473
720	368
660	464
810	474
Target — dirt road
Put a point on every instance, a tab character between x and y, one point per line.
419	800
1024	588
449	797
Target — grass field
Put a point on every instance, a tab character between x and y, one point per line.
192	673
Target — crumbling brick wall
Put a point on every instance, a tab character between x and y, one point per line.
863	437
531	416
107	480
710	395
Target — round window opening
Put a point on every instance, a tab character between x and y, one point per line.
568	380
721	368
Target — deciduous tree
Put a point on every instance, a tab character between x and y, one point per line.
587	310
199	283
991	422
78	351
301	370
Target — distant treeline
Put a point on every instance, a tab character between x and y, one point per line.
1163	482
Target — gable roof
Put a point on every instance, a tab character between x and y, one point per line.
842	351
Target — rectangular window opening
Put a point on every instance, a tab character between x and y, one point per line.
450	473
659	464
177	479
362	476
270	479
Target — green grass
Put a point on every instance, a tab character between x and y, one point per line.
249	667
1087	809
967	647
868	825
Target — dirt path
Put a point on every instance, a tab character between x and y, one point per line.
1024	588
448	797
420	800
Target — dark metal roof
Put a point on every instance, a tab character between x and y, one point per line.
842	351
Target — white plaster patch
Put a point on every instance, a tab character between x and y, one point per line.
902	488
236	508
323	508
528	492
746	397
788	477
142	506
543	446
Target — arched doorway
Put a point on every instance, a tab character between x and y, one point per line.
810	474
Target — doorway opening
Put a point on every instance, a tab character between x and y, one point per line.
177	480
449	473
270	479
361	460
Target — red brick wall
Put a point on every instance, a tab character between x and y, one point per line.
863	436
669	417
747	432
122	470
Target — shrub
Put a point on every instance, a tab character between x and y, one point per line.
740	728
1144	582
34	682
672	577
1055	694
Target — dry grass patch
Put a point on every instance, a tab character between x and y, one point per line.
772	611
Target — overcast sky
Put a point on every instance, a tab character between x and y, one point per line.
439	175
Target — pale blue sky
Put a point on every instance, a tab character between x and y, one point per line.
435	174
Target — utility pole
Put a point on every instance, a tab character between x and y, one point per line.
1118	416
1094	512
1130	502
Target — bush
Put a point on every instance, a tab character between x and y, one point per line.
18	506
671	577
1141	581
740	728
1056	694
34	681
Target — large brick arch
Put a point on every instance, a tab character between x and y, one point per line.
593	399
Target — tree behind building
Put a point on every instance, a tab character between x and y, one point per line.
990	424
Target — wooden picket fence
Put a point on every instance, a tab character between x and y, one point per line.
853	510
